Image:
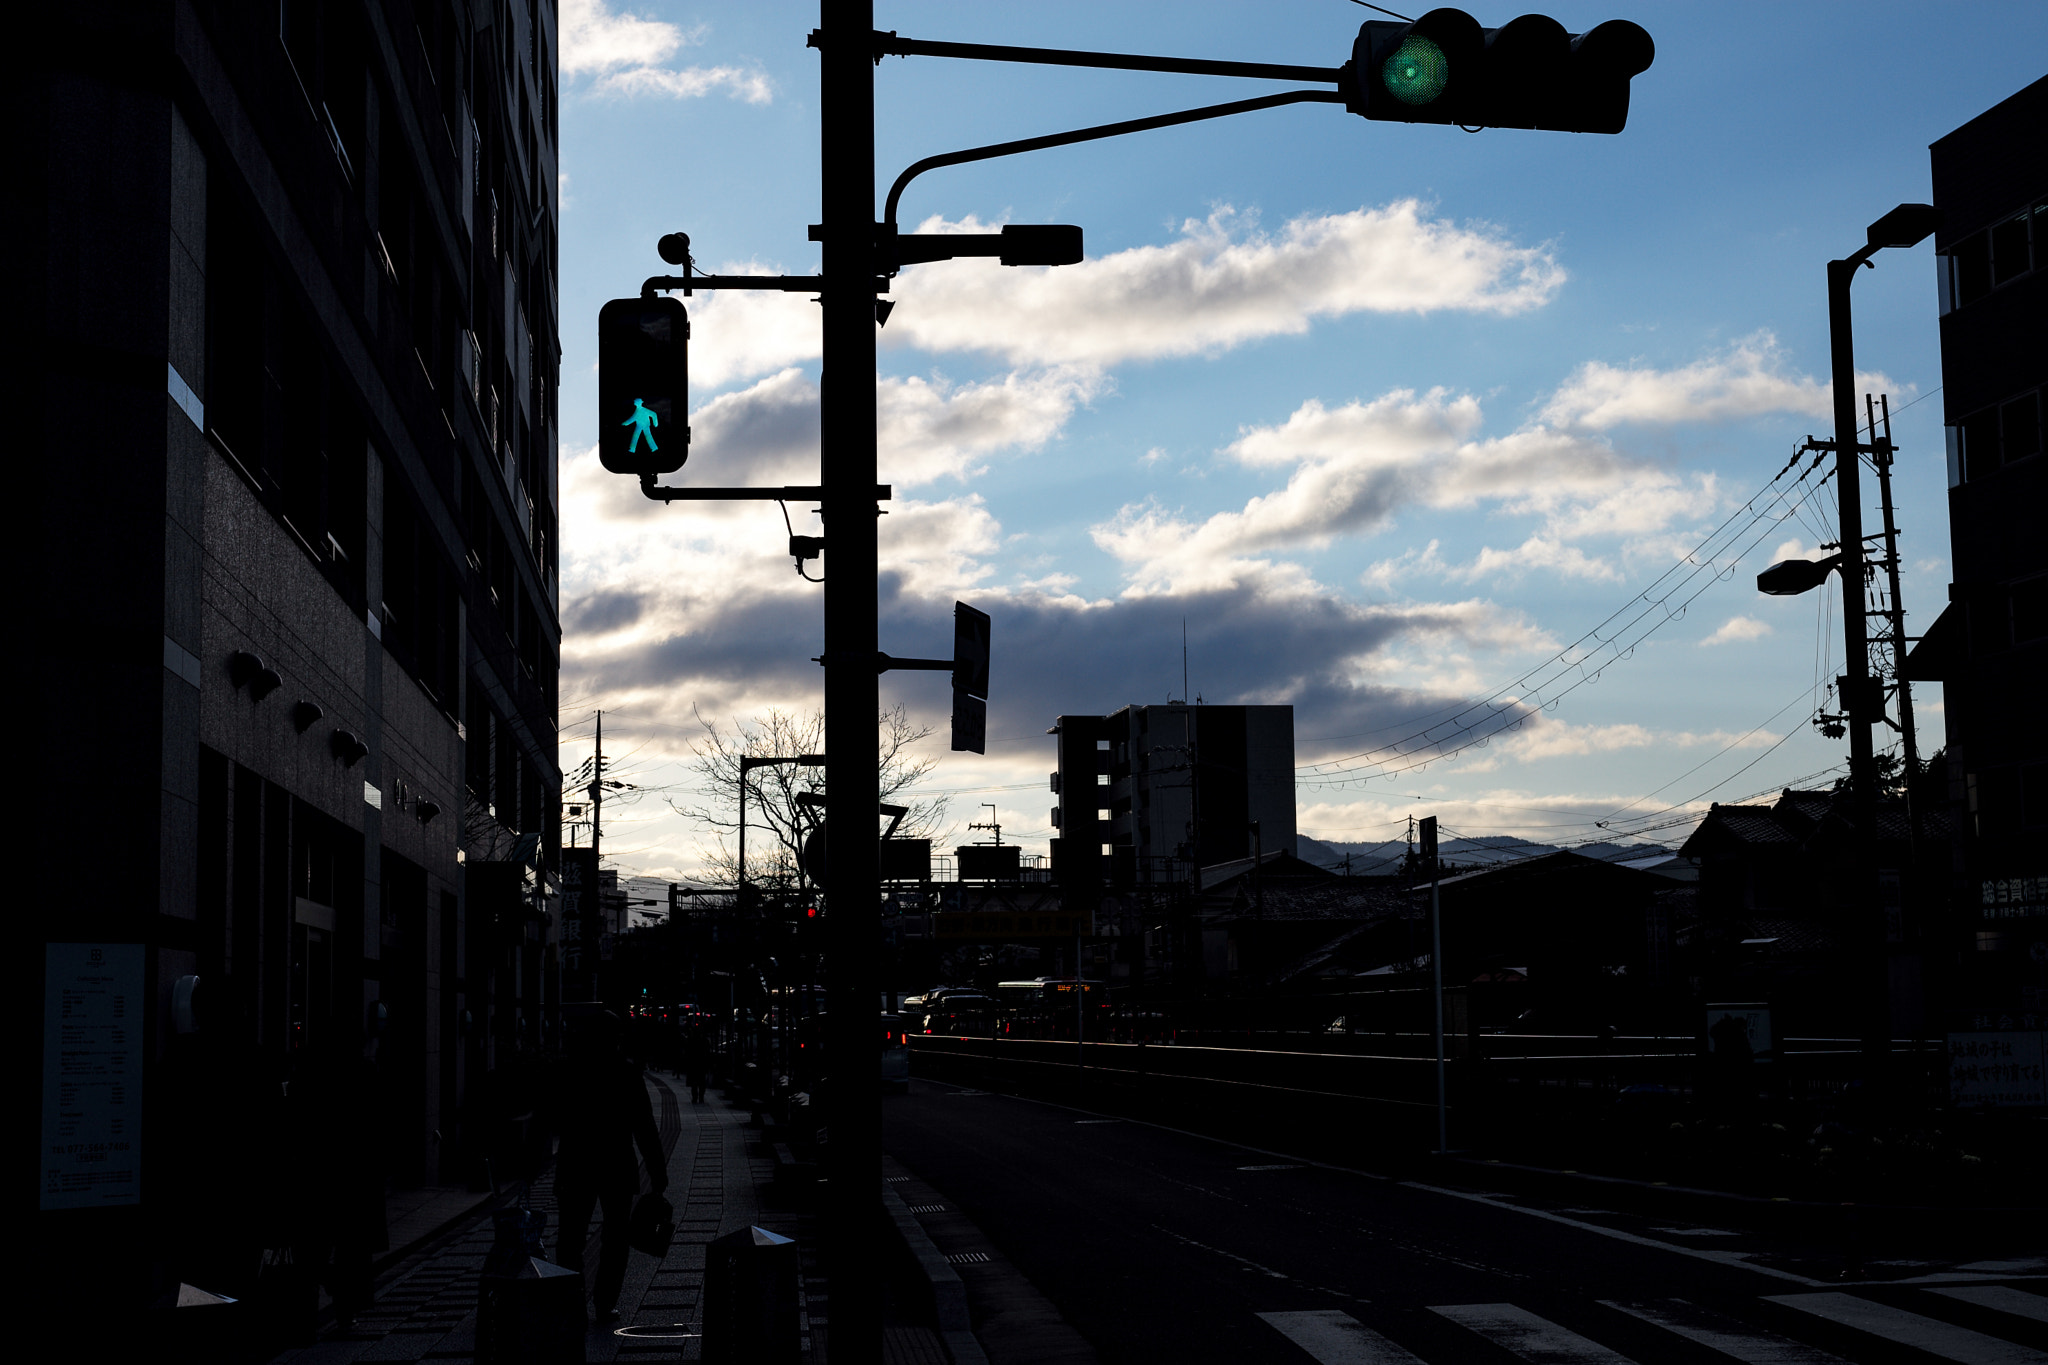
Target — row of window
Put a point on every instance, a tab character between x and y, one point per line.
1997	256
1991	438
497	771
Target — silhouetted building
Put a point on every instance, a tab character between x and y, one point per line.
286	275
1989	648
1150	793
1777	909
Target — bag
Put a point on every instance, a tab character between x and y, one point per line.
654	1225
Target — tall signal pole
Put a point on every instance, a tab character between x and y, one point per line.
846	105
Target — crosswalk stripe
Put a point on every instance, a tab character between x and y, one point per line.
1522	1333
1337	1338
1911	1329
2002	1297
1750	1345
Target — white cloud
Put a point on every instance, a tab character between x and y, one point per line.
1737	629
1794	548
930	428
1537	552
1221	284
622	54
1355	466
1751	378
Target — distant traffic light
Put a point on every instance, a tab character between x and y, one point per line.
643	385
1528	73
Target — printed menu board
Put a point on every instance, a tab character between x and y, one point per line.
92	1075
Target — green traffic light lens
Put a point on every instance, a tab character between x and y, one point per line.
1417	73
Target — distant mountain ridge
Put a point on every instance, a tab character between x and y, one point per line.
1385	859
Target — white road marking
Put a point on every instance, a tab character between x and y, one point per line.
1738	1259
1337	1338
1751	1345
2002	1297
1277	1166
1910	1329
1522	1333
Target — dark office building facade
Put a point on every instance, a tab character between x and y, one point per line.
1148	794
1989	647
283	280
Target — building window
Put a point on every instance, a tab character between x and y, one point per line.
1996	256
1989	439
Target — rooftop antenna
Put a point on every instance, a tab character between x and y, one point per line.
1183	660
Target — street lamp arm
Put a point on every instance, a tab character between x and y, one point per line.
1140	125
889	45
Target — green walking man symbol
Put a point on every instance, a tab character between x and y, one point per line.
643	421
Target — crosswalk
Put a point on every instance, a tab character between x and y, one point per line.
1335	1337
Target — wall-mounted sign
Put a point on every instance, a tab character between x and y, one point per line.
92	1075
2001	1070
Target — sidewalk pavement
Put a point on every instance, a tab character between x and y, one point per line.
425	1302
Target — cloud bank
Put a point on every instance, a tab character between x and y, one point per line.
623	54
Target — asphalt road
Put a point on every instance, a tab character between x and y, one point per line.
1162	1246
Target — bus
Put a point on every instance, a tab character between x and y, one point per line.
1045	1007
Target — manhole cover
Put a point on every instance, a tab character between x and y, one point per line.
671	1331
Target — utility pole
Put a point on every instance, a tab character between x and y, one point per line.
1436	967
1897	607
846	106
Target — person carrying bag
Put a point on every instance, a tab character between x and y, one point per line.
602	1113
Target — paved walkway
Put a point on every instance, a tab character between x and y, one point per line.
425	1307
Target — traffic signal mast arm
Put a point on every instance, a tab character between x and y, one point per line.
889	45
1139	125
789	492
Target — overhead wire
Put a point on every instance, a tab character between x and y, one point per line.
1547	681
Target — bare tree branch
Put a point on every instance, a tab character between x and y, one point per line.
777	822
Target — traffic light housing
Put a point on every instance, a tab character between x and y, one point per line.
1528	73
643	385
970	679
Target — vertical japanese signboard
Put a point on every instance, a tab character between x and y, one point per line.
92	1075
581	913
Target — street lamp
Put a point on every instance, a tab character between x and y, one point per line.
1861	695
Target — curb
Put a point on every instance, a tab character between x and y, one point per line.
949	1293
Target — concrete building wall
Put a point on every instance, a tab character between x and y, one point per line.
284	307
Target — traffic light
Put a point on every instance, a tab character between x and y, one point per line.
643	385
970	679
1528	73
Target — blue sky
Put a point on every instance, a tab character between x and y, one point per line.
1390	414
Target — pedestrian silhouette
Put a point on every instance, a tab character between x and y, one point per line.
643	421
602	1113
697	1061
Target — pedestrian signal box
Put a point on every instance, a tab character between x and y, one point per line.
643	385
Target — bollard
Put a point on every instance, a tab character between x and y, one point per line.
750	1300
200	1327
528	1311
533	1316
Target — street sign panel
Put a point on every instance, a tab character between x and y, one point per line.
970	724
